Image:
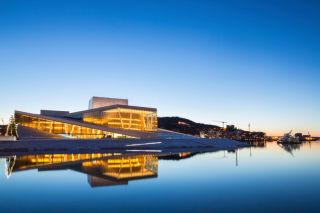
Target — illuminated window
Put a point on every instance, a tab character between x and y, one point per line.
124	118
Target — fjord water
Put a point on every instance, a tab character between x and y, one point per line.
258	179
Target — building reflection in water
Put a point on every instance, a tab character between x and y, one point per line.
290	147
101	169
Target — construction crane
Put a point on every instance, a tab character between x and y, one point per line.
223	122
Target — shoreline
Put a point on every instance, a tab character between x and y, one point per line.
118	145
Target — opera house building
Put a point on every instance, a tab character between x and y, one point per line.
105	118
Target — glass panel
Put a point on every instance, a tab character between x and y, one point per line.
63	129
134	119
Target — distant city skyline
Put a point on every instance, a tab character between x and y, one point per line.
242	62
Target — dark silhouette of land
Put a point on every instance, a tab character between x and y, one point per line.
184	125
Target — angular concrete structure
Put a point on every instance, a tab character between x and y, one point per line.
113	119
97	102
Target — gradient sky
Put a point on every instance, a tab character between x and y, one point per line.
238	61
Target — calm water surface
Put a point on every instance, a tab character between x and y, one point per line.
260	179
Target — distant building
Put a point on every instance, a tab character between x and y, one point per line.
299	136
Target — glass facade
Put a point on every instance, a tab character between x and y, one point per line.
124	118
64	129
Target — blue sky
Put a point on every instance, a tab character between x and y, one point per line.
238	61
